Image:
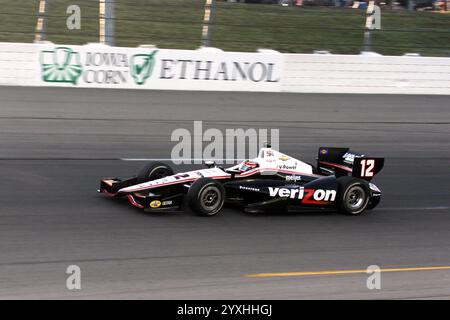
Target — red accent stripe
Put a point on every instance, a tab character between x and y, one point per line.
278	170
159	185
173	182
220	177
336	165
139	196
246	174
133	202
109	194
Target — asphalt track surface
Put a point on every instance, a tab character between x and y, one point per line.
56	143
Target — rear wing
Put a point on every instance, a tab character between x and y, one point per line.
343	162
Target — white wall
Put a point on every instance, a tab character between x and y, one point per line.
366	74
97	66
17	64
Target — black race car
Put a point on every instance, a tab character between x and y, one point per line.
272	181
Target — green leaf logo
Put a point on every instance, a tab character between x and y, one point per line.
142	66
61	65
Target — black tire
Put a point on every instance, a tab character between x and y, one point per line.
206	197
374	201
153	171
353	195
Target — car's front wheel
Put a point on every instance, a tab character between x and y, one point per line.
206	197
353	196
153	171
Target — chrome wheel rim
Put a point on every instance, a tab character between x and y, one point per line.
210	198
355	198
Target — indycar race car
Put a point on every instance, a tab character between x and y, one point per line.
272	182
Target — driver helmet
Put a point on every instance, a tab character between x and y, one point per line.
248	165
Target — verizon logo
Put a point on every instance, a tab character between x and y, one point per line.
306	195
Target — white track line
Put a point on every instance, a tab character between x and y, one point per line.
415	208
180	160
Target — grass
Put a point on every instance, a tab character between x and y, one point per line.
236	26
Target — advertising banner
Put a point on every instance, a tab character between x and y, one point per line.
99	66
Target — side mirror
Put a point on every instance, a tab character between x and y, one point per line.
267	144
210	163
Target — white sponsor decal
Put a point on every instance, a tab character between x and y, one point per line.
350	157
287	167
248	188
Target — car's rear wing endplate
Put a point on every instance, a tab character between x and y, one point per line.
343	161
367	167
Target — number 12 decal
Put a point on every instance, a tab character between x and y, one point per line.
367	166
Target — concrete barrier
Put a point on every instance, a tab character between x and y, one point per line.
366	74
99	66
17	64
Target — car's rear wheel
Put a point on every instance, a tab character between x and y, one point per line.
373	202
353	196
153	171
206	197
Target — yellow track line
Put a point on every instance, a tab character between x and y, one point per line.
338	272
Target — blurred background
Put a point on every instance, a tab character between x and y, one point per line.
300	26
